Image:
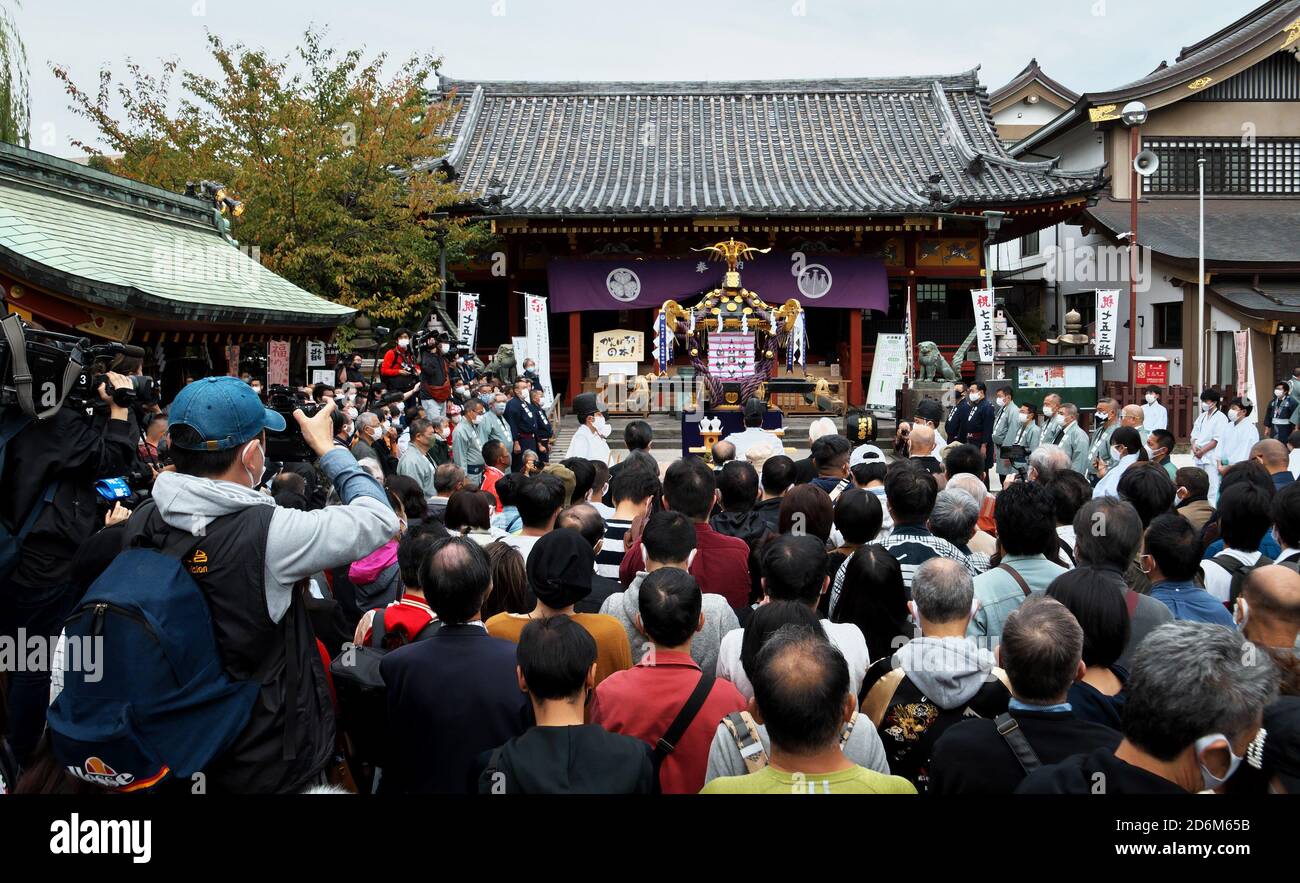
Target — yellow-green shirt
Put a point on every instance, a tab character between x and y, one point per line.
855	780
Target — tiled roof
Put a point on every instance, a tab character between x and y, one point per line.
813	148
1033	72
1268	298
1259	25
120	244
1237	231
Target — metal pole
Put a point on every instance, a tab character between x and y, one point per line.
1200	279
1134	141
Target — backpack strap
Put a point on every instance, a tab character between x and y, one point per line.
377	630
1010	731
744	731
848	729
668	741
21	372
1020	580
882	693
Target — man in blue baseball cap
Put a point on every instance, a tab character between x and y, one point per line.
248	556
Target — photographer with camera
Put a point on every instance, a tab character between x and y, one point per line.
399	370
49	508
435	379
254	556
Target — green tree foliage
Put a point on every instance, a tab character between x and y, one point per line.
15	102
315	149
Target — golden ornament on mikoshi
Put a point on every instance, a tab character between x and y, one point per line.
768	355
695	352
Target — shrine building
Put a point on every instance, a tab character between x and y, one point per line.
877	198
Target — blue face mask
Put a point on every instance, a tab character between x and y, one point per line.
486	398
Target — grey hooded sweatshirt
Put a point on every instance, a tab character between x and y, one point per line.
298	544
718	620
949	671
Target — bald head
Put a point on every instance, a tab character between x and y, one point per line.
1132	416
1273	597
723	452
1273	454
921	440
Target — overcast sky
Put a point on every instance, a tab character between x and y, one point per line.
1086	44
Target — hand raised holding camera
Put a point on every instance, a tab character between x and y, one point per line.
318	431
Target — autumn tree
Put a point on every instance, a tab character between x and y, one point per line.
317	149
15	103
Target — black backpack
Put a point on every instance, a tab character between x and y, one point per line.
1238	571
363	703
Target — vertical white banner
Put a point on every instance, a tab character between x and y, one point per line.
467	319
1107	322
887	370
538	332
982	299
315	354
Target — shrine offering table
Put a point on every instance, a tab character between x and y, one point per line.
732	421
787	393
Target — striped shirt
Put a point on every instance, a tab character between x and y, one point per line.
913	545
611	553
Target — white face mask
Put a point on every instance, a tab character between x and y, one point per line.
1021	418
1234	415
254	475
1002	403
1205	407
975	396
1116	454
602	427
445	349
1151	400
1049	412
1211	780
404	343
1279	393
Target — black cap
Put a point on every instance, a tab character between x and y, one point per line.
930	411
585	405
560	568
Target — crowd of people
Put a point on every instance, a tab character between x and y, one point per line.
436	605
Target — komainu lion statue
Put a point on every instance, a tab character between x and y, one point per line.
934	366
503	365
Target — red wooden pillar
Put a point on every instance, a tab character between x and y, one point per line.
575	355
855	358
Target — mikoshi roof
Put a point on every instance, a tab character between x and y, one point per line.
839	147
116	243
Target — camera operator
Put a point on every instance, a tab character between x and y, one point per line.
51	467
349	371
399	370
435	380
255	556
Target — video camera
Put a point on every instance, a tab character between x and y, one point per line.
41	371
1018	457
289	446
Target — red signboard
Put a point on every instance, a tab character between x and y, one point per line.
1152	373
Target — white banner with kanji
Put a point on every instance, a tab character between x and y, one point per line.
1107	322
537	330
467	319
982	299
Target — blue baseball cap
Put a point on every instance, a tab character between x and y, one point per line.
224	411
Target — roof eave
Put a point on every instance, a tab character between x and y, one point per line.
142	303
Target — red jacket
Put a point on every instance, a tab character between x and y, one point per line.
491	475
721	565
396	363
643	701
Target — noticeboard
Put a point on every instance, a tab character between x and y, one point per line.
1076	379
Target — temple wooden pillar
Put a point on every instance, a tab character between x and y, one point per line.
855	358
575	355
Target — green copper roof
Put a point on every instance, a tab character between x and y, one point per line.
127	246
